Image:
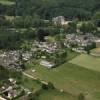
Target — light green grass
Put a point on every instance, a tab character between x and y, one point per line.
87	61
10	18
6	2
96	52
71	78
55	95
30	84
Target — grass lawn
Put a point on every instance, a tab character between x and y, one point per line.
10	18
31	84
50	94
71	78
87	61
96	52
55	95
6	2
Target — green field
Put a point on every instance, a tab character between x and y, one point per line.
50	94
87	61
96	52
71	78
55	95
30	84
6	2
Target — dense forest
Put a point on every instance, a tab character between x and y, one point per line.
50	8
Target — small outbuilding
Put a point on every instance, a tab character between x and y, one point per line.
97	43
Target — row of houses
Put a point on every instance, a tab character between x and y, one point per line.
10	59
9	90
45	46
81	40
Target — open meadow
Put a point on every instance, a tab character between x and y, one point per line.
72	78
87	61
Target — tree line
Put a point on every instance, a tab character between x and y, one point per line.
82	9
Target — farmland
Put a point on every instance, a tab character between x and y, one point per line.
87	61
96	52
55	95
71	78
50	49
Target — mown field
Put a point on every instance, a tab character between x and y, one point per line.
49	94
55	95
72	78
87	61
96	52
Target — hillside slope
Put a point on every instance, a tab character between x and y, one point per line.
51	8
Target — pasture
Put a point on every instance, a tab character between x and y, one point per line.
72	78
96	52
87	61
55	95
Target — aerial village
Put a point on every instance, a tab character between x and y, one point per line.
49	49
75	42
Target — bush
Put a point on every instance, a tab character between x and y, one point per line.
81	96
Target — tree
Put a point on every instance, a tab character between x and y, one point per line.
26	46
72	27
48	9
81	96
41	33
31	97
50	85
44	86
96	18
88	27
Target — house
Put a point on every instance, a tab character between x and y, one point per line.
26	55
80	41
1	98
10	59
60	20
47	64
9	90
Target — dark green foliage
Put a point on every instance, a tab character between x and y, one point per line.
90	47
88	27
72	27
81	96
44	86
48	86
13	40
41	33
9	40
29	21
6	74
81	9
7	10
